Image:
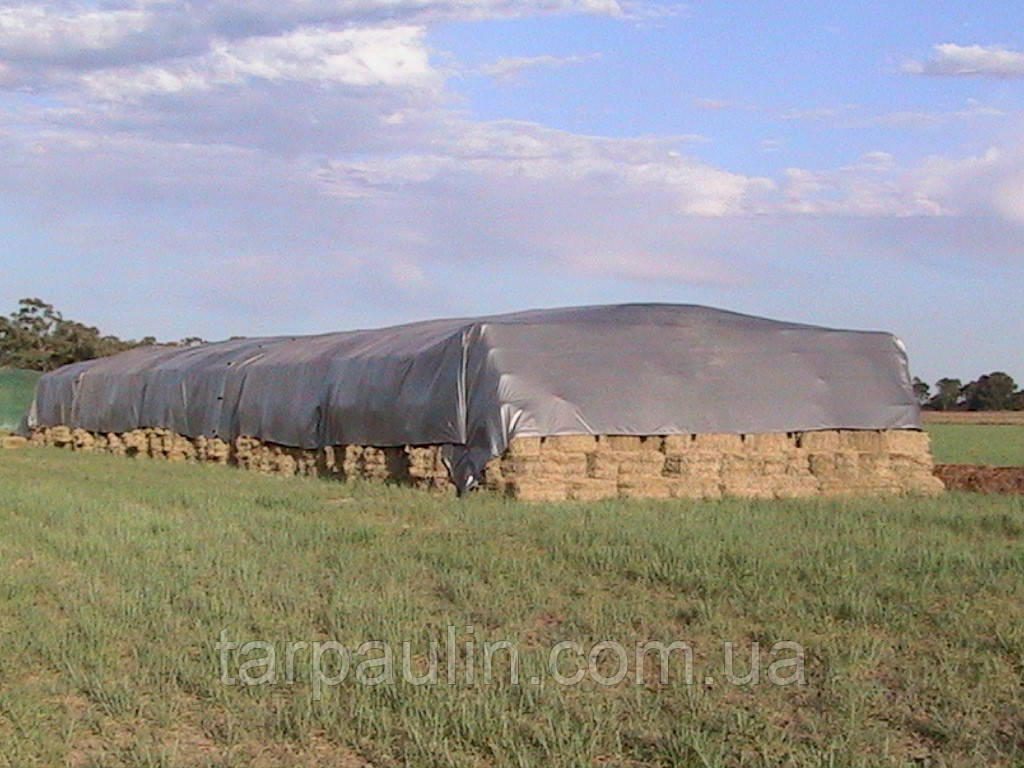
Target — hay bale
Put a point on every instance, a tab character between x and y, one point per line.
724	442
620	443
703	465
769	442
911	441
603	465
591	489
868	440
537	489
644	487
568	443
217	450
524	446
819	440
649	464
695	488
745	486
795	487
181	449
562	465
675	444
82	440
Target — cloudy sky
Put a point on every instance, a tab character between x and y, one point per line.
241	168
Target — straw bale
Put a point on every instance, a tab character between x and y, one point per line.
217	450
521	466
621	443
910	463
82	440
642	464
702	464
537	489
739	464
568	443
820	440
869	440
603	465
524	446
644	487
181	449
719	442
770	442
672	444
795	487
841	464
746	486
592	489
563	464
907	441
695	488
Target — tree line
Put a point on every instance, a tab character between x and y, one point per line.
996	391
38	337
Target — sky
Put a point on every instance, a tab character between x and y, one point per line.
270	167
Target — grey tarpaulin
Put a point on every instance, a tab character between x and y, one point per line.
475	383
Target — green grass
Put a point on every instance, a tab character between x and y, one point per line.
999	445
117	576
16	390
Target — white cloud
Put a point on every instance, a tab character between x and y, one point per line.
388	56
922	117
816	113
951	60
711	104
508	69
34	31
619	168
69	34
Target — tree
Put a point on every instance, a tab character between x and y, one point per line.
947	395
921	391
992	392
38	337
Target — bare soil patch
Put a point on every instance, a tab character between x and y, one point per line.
973	417
981	478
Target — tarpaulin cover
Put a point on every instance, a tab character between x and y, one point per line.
475	383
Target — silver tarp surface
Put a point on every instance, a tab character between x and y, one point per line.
475	383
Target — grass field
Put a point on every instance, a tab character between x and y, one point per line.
117	578
16	388
996	444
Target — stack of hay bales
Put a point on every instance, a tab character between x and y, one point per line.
582	467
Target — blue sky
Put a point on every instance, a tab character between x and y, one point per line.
242	168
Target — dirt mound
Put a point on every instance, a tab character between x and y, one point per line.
981	479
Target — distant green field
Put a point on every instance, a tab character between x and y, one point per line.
999	445
16	388
118	576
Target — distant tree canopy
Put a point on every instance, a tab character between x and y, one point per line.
994	391
39	338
